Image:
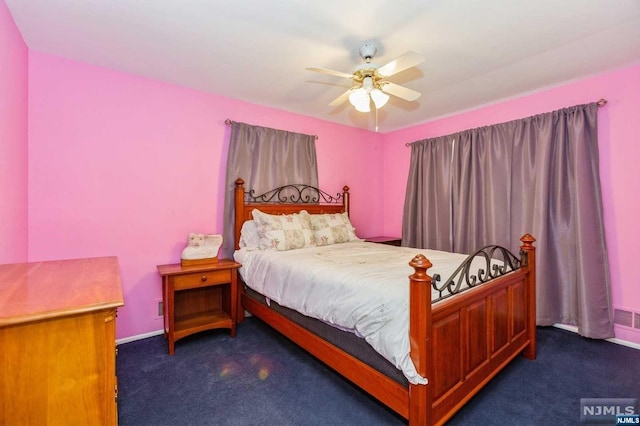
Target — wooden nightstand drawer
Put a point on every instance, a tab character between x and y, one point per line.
202	279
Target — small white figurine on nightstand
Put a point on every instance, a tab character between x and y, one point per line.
202	247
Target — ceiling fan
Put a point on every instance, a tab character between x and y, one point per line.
371	80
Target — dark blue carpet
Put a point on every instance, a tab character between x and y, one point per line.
260	378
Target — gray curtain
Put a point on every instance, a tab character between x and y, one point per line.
425	223
265	159
538	175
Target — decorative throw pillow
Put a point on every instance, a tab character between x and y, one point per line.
332	228
249	237
285	231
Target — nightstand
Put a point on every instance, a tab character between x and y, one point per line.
199	297
392	241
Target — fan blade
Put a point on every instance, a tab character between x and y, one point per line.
408	60
340	99
331	72
399	91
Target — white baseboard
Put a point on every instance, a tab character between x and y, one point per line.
624	343
139	337
574	329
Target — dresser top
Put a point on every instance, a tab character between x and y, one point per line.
40	290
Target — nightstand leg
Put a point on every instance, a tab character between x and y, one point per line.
165	314
171	315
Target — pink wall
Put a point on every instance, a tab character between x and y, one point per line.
13	141
126	166
619	172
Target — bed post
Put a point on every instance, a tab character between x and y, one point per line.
345	198
528	257
238	211
420	397
237	226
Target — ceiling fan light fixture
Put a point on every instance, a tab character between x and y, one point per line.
363	107
359	98
379	98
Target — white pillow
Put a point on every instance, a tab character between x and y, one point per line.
284	232
249	237
332	228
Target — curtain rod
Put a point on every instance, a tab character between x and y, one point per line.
228	121
601	102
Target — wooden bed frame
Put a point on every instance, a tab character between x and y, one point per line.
458	344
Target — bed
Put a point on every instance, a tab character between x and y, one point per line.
461	331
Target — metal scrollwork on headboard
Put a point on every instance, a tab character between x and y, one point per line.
295	194
464	279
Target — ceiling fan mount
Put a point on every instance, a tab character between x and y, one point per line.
367	68
368	51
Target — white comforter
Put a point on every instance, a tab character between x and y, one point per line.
357	286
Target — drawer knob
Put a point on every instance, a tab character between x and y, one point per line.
204	278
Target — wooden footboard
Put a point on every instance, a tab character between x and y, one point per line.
464	341
458	343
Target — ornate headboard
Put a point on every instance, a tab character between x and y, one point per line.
286	199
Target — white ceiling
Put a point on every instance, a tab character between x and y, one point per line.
478	51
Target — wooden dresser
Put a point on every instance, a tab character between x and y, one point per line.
57	342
